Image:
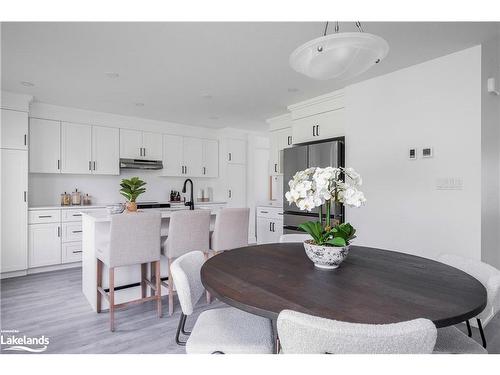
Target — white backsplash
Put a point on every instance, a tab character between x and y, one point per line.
46	189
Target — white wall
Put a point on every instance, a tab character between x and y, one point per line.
490	145
436	104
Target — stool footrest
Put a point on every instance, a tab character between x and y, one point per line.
135	302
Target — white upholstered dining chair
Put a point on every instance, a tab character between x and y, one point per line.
222	330
302	333
294	237
188	231
488	276
306	334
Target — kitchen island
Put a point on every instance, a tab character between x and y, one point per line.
95	230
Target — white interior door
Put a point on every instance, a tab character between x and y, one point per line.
14	130
236	185
130	144
14	210
44	244
152	146
45	146
76	148
172	155
105	150
210	158
193	156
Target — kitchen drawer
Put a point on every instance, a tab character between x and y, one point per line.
44	216
71	232
72	215
270	212
71	252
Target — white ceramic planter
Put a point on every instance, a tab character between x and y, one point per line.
325	257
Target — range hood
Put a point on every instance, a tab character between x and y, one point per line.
140	164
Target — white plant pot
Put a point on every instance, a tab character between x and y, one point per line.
325	257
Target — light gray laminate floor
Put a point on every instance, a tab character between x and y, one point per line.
53	305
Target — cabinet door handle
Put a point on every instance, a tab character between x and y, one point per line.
58	231
77	231
276	167
93	165
144	151
270	227
264	212
77	251
90	165
229	156
58	164
204	170
25	196
44	216
230	193
317	130
77	215
314	131
185	169
25	139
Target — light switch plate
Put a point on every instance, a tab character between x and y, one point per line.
412	153
427	152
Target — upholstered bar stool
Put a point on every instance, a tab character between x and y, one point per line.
187	231
230	232
134	239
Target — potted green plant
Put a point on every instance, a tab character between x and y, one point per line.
131	189
318	187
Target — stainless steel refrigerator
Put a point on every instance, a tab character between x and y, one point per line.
297	158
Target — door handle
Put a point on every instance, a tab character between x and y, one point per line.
25	139
58	231
58	164
90	165
314	131
76	252
317	130
25	198
229	156
94	165
44	216
77	231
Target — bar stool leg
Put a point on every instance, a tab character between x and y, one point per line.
170	289
112	299
158	290
152	273
144	270
99	285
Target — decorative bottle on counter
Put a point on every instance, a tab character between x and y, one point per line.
76	198
86	200
65	199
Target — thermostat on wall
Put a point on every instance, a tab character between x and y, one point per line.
427	152
412	153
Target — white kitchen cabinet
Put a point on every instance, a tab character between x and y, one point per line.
136	144
269	224
76	148
14	130
71	252
105	150
280	139
130	144
210	158
172	155
14	210
193	156
318	127
236	185
44	244
152	146
236	150
71	231
44	144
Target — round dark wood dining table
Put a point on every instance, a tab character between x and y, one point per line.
371	286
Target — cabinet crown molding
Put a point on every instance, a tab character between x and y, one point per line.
280	122
318	104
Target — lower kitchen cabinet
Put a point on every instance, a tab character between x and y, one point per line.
44	244
269	224
71	252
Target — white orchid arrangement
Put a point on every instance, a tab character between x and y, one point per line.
315	187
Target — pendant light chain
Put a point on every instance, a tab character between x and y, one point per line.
358	25
326	28
337	28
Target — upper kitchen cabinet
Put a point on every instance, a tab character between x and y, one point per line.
280	138
235	151
14	130
76	148
320	118
210	158
130	144
136	144
193	156
44	143
152	146
105	150
173	164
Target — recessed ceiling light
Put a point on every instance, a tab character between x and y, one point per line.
27	84
213	118
112	74
207	96
139	104
292	89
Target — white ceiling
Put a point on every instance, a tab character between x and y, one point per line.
170	67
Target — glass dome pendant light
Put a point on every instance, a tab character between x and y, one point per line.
339	55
